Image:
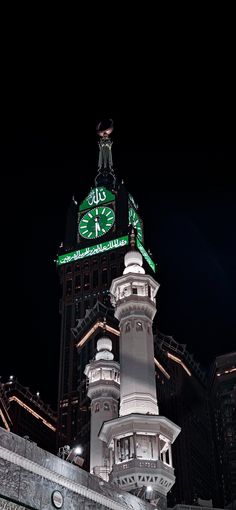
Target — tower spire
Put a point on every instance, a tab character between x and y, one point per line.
105	176
132	239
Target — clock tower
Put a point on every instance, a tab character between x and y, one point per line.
92	255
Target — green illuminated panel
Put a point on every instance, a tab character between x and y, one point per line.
146	256
97	196
136	222
93	250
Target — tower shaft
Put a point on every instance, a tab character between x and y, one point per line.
138	387
140	438
103	375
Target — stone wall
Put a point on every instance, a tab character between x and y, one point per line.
29	477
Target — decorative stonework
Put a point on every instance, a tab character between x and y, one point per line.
9	478
9	505
29	478
34	468
57	499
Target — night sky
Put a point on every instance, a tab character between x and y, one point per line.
185	188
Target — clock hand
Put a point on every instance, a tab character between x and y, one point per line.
97	227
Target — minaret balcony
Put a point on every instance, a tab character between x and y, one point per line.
134	473
135	305
141	445
105	388
132	285
140	424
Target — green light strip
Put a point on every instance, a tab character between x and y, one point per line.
92	250
95	197
146	256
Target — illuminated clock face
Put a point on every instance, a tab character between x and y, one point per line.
136	222
96	222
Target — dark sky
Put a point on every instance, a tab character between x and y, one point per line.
185	188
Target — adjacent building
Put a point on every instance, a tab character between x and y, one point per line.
27	415
183	396
223	406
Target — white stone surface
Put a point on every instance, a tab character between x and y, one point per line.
29	475
103	390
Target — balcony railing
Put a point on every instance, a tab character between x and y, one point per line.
143	465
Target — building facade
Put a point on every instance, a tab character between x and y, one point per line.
182	389
223	407
27	415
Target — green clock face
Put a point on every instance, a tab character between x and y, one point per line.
136	222
96	222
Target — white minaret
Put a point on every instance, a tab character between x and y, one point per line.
140	438
134	299
104	390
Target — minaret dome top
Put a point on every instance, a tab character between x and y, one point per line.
133	262
104	347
